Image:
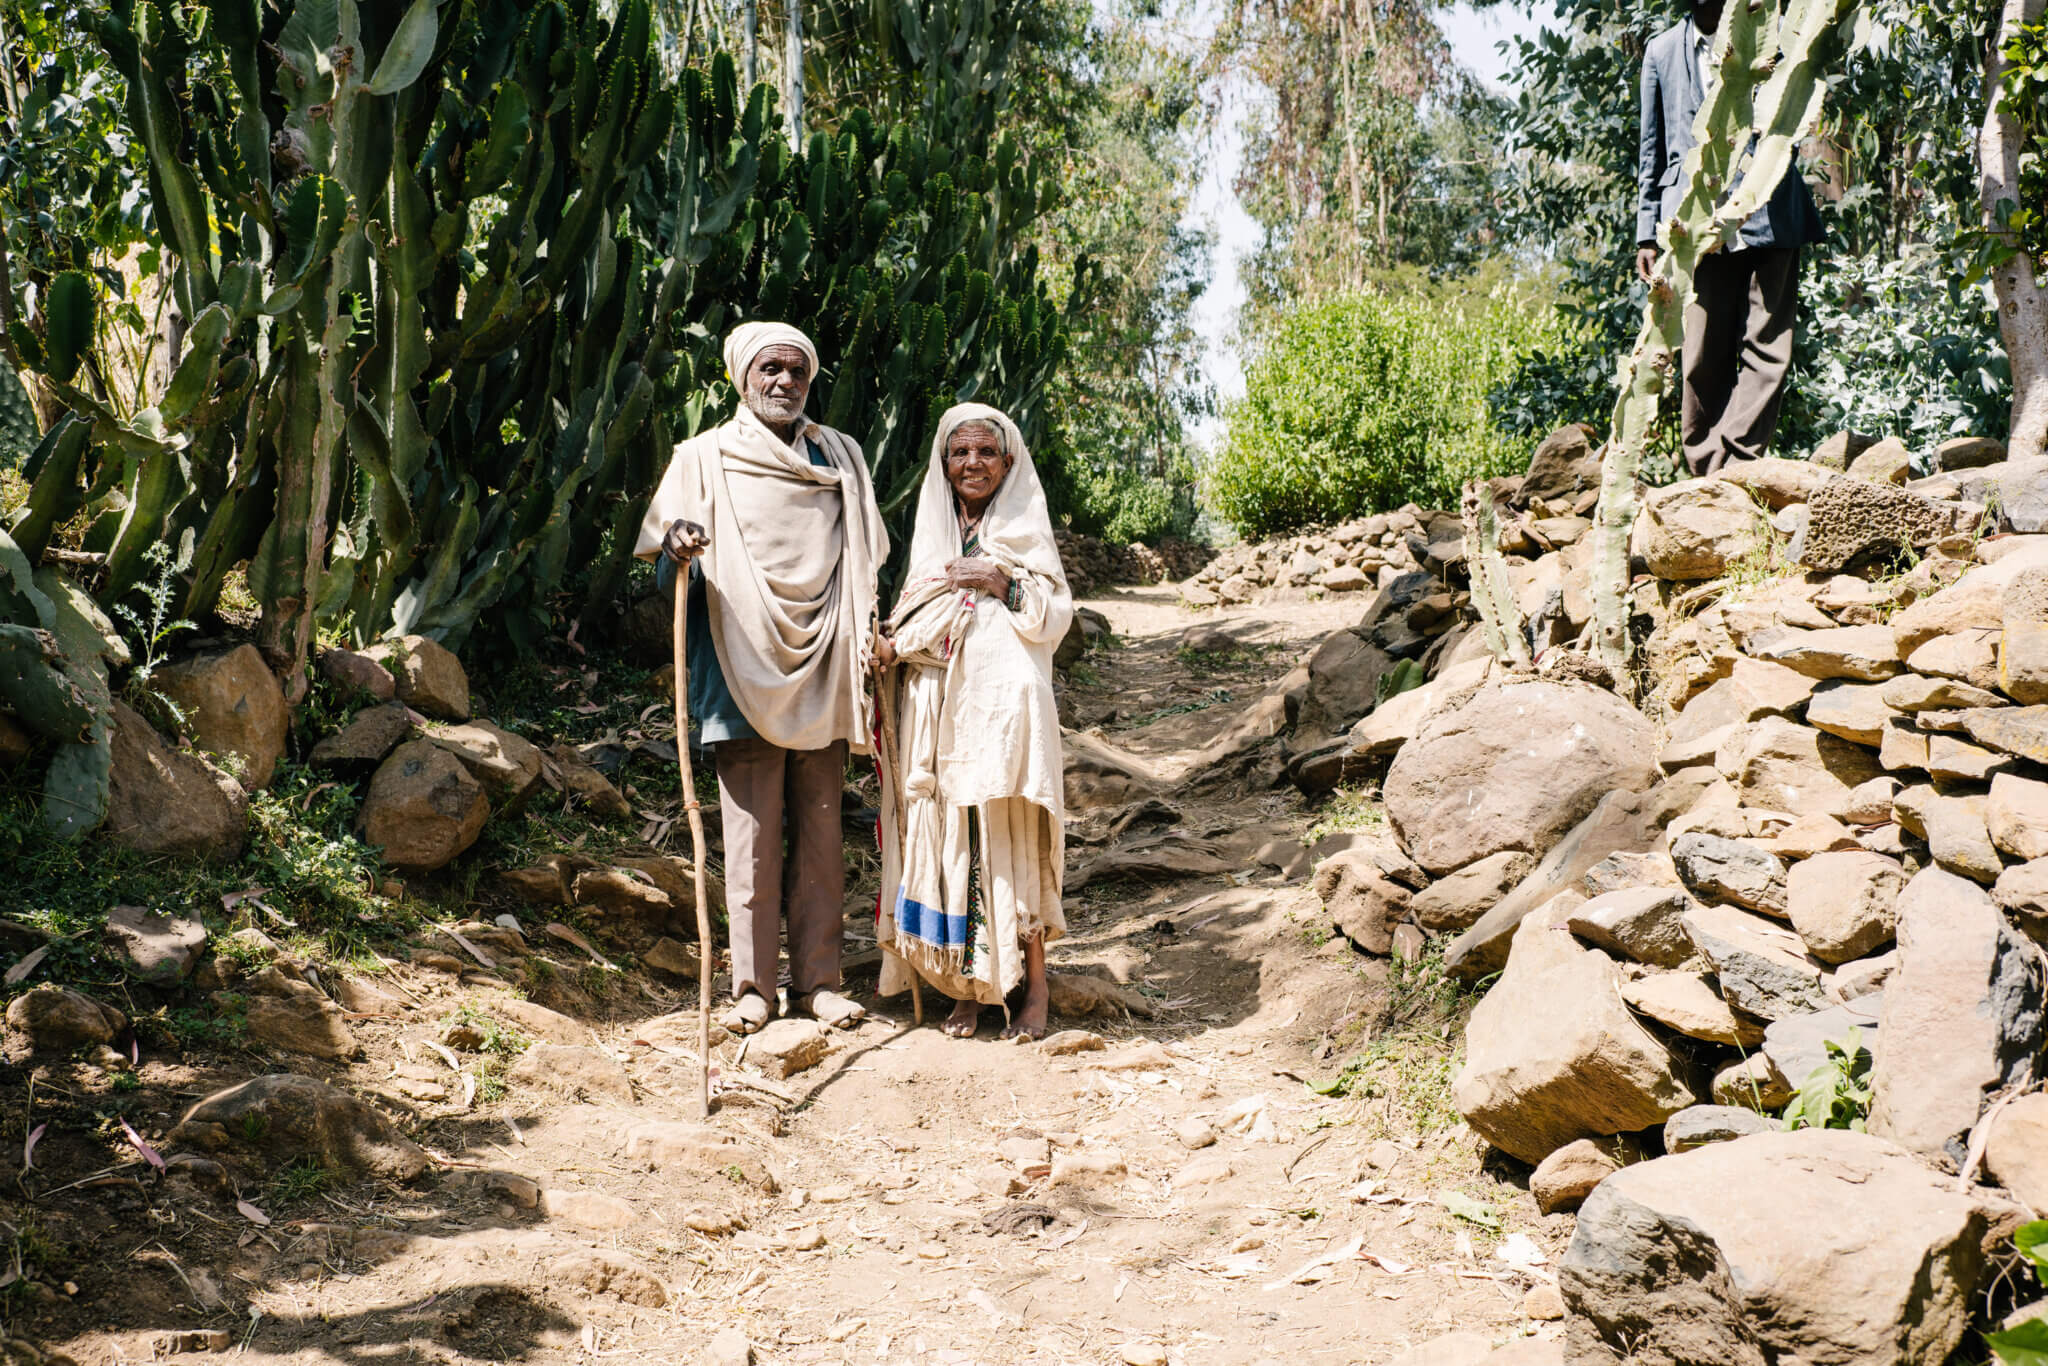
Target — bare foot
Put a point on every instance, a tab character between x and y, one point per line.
1029	1021
964	1020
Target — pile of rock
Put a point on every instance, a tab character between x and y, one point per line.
1092	562
1341	559
1833	830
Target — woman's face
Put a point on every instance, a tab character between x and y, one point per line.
975	463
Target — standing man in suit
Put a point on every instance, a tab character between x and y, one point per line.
1738	329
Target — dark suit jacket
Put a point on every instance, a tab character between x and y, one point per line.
1671	98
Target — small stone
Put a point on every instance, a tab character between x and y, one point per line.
1563	1180
729	1347
1887	462
1956	760
1544	1303
48	1020
234	710
588	786
1736	872
1643	923
357	673
584	1073
1688	1003
674	957
1142	1354
1342	578
1751	1082
1763	967
587	1209
154	946
370	735
1854	711
785	1047
1086	1167
1703	1124
507	765
1842	903
423	808
2016	816
429	678
1968	453
2017	1151
1068	1042
1194	1133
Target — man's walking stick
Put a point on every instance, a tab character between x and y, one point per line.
705	951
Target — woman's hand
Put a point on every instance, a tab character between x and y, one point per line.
984	576
684	541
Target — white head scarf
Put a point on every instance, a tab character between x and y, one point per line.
749	340
1016	529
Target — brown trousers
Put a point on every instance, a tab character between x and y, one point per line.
763	791
1738	349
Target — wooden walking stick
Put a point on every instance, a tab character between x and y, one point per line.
705	952
885	764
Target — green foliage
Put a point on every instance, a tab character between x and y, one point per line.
452	304
1364	402
1890	342
300	1180
2025	1343
159	626
1837	1094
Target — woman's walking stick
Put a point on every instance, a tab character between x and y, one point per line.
705	952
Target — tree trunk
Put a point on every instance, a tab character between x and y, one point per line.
2022	303
793	76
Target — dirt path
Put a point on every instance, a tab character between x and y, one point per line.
1178	1193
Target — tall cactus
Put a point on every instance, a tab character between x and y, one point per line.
1768	99
456	273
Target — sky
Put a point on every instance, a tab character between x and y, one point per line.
1474	34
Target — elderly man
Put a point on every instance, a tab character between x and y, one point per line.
775	516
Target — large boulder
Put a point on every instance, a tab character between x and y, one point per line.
423	807
1453	902
284	1117
1694	529
1363	905
234	710
1965	1012
1764	969
1868	654
1774	481
1343	678
1514	767
429	678
1552	1054
1820	1247
165	801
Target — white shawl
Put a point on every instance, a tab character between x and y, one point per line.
975	724
790	573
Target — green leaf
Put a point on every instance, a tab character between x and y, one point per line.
410	47
2030	1238
2025	1344
71	309
1462	1206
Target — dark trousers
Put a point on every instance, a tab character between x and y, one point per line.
1738	348
763	791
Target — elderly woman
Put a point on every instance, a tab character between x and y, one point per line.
972	832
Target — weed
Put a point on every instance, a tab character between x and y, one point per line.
1837	1094
1082	674
736	1174
2026	1342
500	1040
1214	697
126	1081
490	1079
161	590
189	1029
1237	659
300	1180
255	1124
1348	809
1412	1064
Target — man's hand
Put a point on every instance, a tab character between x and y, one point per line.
684	541
1646	260
984	576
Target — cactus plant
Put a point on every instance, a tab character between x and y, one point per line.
456	274
1768	98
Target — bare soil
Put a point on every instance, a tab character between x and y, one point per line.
933	1200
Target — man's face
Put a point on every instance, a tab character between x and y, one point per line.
1707	15
777	383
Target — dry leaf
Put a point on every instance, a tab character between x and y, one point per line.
149	1154
28	1147
26	966
252	1214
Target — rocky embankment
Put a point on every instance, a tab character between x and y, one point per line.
1765	997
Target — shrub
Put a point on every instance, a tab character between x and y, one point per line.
1366	401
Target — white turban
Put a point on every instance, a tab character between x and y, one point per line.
749	340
